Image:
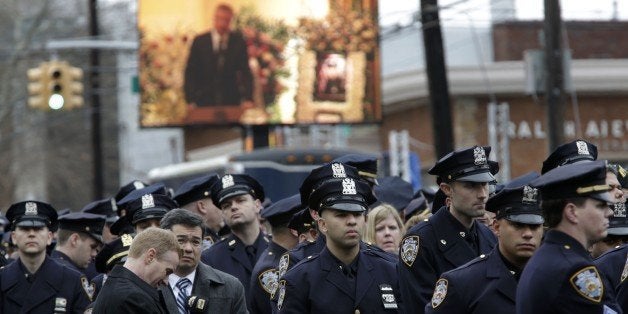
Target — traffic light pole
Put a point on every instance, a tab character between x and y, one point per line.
98	184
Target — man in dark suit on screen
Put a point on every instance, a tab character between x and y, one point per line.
217	70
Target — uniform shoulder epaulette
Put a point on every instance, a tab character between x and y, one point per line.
304	261
419	226
615	249
376	251
477	260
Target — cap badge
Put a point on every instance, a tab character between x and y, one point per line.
409	250
338	170
479	156
583	149
148	201
348	187
588	284
227	181
31	208
529	194
126	239
619	210
138	185
440	292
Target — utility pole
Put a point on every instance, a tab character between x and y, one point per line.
94	79
554	91
437	78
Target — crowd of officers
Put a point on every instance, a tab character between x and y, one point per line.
541	243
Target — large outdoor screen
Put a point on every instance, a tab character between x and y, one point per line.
258	62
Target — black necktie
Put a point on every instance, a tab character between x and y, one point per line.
250	252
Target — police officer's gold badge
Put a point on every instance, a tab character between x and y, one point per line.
409	249
588	284
440	292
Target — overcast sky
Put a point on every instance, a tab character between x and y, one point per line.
478	11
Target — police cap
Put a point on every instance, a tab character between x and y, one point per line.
90	224
106	207
394	191
128	188
32	214
113	253
148	206
415	206
302	221
366	165
517	202
279	213
575	180
569	153
469	164
195	189
328	171
344	194
231	185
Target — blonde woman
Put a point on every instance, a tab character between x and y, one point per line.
384	228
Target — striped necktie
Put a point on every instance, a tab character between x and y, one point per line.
182	296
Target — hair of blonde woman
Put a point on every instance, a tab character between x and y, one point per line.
159	239
376	215
418	218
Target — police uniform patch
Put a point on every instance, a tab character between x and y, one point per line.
409	249
624	273
89	288
282	294
440	292
284	262
268	280
588	283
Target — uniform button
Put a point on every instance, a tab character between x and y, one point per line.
567	247
462	234
443	241
482	256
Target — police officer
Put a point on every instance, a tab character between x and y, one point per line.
451	237
265	274
239	197
345	277
614	263
561	276
489	282
79	239
106	207
35	283
194	195
304	225
310	184
577	151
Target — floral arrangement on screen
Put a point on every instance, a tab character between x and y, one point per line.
265	40
340	31
161	76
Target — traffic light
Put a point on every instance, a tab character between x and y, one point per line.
38	87
55	85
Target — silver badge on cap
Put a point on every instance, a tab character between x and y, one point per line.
583	149
227	181
148	201
30	208
348	187
619	210
338	170
479	156
138	185
529	194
